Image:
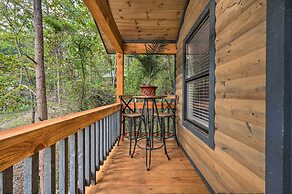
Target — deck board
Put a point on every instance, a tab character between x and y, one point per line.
123	174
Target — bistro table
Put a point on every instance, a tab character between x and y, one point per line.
148	114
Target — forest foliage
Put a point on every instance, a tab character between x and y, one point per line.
79	73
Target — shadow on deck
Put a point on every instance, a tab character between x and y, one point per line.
123	174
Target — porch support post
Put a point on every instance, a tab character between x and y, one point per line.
120	74
279	97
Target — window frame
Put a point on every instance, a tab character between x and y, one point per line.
208	12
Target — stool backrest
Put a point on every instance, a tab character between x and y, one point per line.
126	101
169	103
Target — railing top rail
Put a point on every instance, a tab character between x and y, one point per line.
18	143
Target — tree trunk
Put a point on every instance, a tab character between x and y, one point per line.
41	99
20	76
83	69
82	99
32	96
59	86
42	113
111	71
32	108
171	78
60	59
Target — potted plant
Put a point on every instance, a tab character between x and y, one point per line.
149	68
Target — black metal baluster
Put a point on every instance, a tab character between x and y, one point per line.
111	132
87	155
108	135
92	155
81	161
6	181
50	170
119	124
97	147
104	139
73	163
63	166
31	174
114	129
101	137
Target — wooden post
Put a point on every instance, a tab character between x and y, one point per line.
120	74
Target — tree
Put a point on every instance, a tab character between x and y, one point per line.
79	72
41	98
14	19
149	66
154	69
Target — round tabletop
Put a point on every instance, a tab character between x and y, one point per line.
149	97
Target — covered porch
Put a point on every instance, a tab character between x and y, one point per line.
80	150
81	156
224	148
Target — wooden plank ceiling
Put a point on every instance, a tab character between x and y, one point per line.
145	20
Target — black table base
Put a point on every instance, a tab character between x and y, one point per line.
148	118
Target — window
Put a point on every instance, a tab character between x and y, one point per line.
199	79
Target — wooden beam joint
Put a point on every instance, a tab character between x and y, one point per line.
143	48
102	14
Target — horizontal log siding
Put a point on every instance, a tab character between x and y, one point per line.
237	164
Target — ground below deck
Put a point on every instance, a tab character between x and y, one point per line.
123	174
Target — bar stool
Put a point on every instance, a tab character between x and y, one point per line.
148	116
168	113
130	114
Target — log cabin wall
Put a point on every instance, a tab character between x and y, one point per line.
237	164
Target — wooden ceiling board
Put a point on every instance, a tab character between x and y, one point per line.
147	4
149	14
146	20
148	23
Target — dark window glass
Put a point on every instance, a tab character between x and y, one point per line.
197	77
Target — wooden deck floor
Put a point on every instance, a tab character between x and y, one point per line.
123	174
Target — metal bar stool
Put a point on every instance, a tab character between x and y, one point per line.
168	113
129	113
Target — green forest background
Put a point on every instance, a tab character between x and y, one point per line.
79	73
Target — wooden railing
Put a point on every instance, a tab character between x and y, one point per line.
83	141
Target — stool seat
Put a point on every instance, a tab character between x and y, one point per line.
162	115
131	115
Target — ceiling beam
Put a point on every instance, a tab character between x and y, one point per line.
141	48
102	14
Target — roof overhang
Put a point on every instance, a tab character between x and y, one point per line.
136	26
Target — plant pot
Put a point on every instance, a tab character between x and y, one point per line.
148	90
